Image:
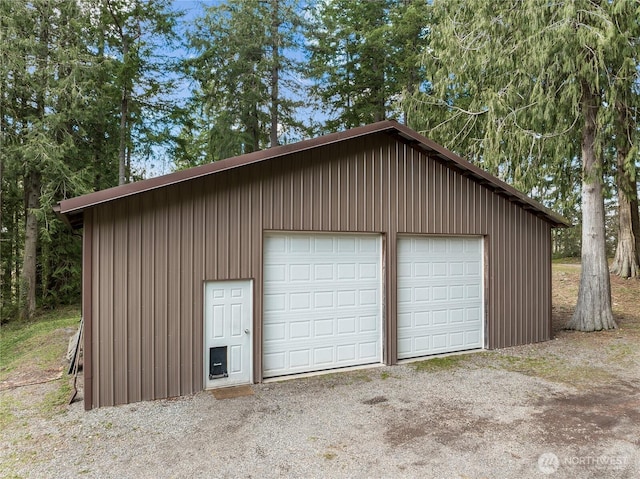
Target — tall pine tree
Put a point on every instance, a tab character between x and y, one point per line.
362	55
43	65
534	101
244	74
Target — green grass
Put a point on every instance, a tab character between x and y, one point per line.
34	348
7	466
567	260
54	402
553	369
570	268
33	342
6	414
360	376
621	352
439	363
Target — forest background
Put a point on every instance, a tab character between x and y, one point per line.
97	93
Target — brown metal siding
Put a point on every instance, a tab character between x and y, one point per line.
152	252
87	309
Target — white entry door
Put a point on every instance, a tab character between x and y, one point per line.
439	295
322	302
227	327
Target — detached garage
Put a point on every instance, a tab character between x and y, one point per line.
363	247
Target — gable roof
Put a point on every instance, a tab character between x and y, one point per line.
72	209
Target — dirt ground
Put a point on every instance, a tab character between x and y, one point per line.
566	408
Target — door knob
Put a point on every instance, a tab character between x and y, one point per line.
246	331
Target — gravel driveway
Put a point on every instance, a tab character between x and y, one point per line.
520	413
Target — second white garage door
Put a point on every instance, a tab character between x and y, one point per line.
439	295
322	302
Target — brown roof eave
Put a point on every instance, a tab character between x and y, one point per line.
73	208
78	204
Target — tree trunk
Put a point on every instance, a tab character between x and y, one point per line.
33	180
124	113
1	172
7	287
16	271
412	73
626	262
98	148
275	72
3	279
29	264
593	310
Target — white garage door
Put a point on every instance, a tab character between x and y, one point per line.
439	295
322	302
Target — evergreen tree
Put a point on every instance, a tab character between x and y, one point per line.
60	109
243	71
531	80
41	97
623	112
362	55
128	36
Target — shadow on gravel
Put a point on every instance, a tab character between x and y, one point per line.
586	417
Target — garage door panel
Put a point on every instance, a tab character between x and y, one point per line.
421	319
276	244
472	268
421	294
300	272
323	272
320	357
300	330
439	295
323	355
300	358
347	325
473	336
440	317
473	291
368	324
276	272
322	302
472	246
346	352
319	273
323	327
292	327
274	332
298	302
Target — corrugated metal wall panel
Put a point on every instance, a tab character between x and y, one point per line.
133	297
120	288
186	287
147	298
161	284
151	253
87	307
174	255
103	307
